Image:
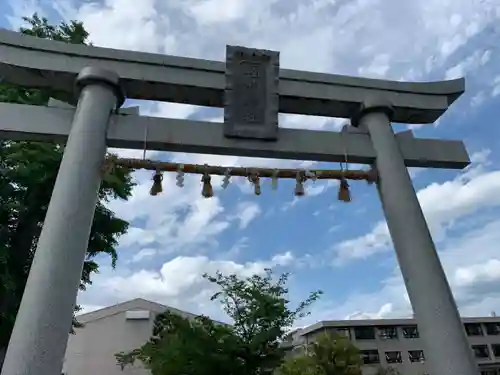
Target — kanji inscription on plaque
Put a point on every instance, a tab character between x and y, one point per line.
251	95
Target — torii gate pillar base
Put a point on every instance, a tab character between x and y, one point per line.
446	346
38	341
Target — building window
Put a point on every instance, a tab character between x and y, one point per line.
416	355
393	357
370	357
495	349
364	333
489	372
410	332
343	331
473	329
137	315
492	329
388	332
481	351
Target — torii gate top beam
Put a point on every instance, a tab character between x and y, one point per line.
35	62
36	123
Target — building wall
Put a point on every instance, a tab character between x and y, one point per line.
399	344
91	350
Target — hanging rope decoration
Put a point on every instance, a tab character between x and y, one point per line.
344	193
180	176
207	190
227	178
157	186
299	184
255	180
254	175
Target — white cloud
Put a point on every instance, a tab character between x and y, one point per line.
22	9
325	30
236	250
470	257
382	313
208	12
375	241
178	282
143	254
136	236
482	272
172	110
496	86
121	24
292	121
247	212
471	262
468	193
472	62
178	219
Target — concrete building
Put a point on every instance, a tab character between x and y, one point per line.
122	327
393	342
396	342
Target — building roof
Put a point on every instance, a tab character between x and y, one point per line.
383	322
134	304
142	304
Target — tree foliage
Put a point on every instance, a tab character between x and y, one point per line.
28	172
301	365
329	354
186	346
387	371
336	355
258	308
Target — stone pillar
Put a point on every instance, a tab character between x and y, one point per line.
446	347
38	342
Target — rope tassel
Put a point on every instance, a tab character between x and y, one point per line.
256	184
344	193
207	191
299	185
157	179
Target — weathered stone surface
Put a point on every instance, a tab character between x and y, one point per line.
251	95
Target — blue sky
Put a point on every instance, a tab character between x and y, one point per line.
342	249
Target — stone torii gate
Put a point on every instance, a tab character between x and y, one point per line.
252	89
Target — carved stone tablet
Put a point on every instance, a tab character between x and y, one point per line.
251	95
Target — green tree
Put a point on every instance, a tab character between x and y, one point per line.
327	355
259	309
301	365
336	355
387	371
186	346
27	175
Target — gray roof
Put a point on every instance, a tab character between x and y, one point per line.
383	322
134	304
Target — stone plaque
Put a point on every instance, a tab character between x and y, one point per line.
251	95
